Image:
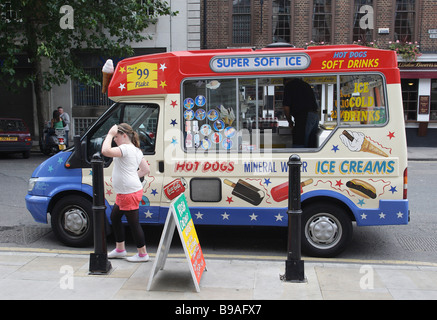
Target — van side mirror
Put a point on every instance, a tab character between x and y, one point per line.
77	157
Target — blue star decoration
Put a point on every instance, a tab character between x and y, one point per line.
335	148
267	182
173	122
154	192
174	141
393	189
361	202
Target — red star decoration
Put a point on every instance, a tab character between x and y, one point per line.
109	192
229	199
338	183
391	135
174	103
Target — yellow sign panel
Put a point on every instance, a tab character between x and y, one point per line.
142	75
190	238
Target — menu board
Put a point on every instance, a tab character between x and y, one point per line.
423	104
179	216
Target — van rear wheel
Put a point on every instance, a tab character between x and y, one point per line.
327	230
71	220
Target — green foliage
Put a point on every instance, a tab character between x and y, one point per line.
32	28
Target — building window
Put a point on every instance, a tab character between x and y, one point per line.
363	21
405	17
281	21
322	21
409	96
433	115
241	22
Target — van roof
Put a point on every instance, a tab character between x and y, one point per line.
162	73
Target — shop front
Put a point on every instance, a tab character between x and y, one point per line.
419	93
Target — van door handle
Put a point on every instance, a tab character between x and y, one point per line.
161	166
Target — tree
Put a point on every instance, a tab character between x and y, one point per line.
50	33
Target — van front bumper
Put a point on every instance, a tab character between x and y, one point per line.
38	207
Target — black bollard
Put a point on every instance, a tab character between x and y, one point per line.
99	263
294	266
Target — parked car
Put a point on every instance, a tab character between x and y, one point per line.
15	137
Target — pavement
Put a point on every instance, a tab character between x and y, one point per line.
422	154
41	274
44	274
422	148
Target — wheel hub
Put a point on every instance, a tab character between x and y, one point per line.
75	221
323	231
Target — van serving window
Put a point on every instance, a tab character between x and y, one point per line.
362	100
248	114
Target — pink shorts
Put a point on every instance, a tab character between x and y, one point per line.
129	201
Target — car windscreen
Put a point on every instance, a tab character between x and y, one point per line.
12	125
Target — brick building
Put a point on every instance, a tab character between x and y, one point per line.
256	23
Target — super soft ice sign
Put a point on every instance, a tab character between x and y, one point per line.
279	62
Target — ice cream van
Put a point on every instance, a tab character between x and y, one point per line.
213	125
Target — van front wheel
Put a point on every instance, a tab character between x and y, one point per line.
71	220
327	230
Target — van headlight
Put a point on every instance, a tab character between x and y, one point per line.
32	182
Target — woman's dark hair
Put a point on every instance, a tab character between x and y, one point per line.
56	115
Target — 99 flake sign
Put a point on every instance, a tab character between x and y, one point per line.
142	75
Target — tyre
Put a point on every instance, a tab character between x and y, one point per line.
327	230
71	220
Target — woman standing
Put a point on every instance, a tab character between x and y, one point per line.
129	166
56	122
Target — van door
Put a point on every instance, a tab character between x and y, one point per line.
146	119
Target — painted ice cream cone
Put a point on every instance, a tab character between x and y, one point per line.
368	147
107	72
356	141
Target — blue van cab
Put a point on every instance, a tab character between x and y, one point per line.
60	189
